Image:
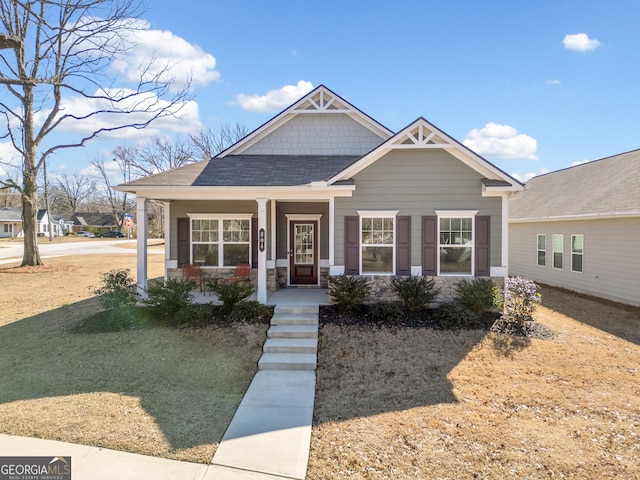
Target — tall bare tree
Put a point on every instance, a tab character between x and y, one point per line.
72	191
159	155
118	202
209	142
56	51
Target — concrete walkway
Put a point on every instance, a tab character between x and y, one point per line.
268	438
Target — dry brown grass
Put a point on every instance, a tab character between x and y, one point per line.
156	391
428	404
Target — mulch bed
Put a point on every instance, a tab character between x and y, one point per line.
488	321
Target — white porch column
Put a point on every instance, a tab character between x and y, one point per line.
332	234
262	250
141	219
166	208
505	235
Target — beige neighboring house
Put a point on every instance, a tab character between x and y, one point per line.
579	228
322	188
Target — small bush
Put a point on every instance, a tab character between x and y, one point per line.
348	293
385	313
453	315
521	297
193	314
230	293
117	291
415	292
251	311
479	296
167	299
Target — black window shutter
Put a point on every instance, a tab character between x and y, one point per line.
430	246
403	245
352	245
183	241
483	246
254	242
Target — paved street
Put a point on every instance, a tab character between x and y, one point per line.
12	252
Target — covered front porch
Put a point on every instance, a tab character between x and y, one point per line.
288	240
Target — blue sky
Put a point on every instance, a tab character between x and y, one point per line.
533	86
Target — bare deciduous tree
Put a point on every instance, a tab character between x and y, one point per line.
53	52
118	202
161	154
209	142
71	191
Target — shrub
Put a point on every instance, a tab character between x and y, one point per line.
521	297
479	296
348	293
230	293
117	291
168	298
251	311
415	292
453	315
385	313
193	314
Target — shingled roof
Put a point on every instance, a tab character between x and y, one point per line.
601	188
252	170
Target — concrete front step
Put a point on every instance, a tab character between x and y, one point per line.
294	319
288	361
293	331
290	345
296	309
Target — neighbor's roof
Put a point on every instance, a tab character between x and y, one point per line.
608	187
93	219
9	214
251	170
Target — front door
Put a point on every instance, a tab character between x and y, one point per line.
303	256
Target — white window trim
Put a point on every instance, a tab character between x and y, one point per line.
553	249
379	214
538	250
220	217
459	214
581	254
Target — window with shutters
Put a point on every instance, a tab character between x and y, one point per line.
377	242
220	240
456	242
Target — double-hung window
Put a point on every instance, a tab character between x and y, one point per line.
577	252
377	242
220	240
456	242
558	248
542	250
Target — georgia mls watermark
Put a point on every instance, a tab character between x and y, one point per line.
35	468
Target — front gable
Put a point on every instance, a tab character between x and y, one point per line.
423	136
320	123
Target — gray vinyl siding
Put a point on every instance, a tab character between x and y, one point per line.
326	134
181	208
417	183
299	208
611	260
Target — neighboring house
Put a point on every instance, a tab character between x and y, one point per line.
322	188
10	222
579	228
94	221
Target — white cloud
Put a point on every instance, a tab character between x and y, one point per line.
275	100
580	42
172	58
524	178
9	161
575	164
502	142
553	82
184	117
